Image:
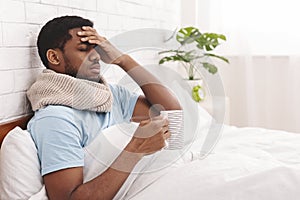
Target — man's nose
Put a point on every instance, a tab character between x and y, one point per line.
94	55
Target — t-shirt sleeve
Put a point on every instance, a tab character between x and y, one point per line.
59	144
125	101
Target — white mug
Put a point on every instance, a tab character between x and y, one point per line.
175	118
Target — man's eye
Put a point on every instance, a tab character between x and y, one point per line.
83	49
87	47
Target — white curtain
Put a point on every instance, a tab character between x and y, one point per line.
263	45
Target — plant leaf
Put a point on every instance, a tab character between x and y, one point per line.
217	56
210	67
209	41
171	51
188	56
171	58
187	35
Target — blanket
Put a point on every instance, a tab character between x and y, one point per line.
246	163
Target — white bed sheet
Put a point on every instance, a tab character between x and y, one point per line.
247	163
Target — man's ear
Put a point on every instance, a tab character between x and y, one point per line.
53	57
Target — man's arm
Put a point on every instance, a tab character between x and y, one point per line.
157	96
68	184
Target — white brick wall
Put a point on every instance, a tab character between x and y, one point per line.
6	82
15	105
20	21
12	11
29	57
19	34
1	43
85	5
39	13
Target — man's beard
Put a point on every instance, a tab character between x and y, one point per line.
70	70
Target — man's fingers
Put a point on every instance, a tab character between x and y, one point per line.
151	127
107	51
144	122
94	41
88	28
92	37
89	39
162	122
86	33
156	119
90	32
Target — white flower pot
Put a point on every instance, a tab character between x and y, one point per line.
197	89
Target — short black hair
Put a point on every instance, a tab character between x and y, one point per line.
55	34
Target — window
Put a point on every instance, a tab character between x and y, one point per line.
262	27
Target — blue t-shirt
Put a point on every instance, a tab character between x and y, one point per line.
61	132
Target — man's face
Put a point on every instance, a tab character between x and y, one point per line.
80	58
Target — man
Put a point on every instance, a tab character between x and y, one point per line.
73	103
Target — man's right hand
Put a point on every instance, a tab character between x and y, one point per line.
108	52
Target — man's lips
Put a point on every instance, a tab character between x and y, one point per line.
95	68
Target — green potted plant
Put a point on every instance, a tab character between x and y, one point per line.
202	46
195	49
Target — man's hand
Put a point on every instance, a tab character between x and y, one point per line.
106	50
150	136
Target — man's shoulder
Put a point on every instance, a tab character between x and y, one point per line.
58	111
121	92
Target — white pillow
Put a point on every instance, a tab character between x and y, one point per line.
19	166
105	148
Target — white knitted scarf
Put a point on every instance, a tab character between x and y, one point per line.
53	88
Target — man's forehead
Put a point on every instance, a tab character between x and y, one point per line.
73	32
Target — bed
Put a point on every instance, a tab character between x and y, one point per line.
246	163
